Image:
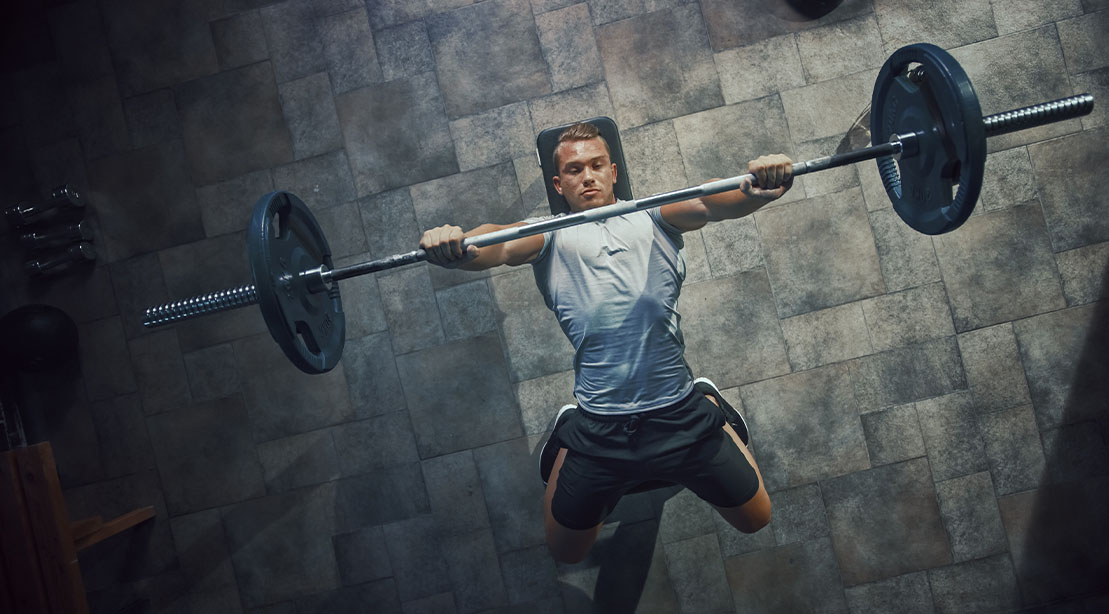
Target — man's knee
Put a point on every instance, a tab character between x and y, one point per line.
570	546
752	523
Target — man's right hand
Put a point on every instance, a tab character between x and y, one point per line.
444	247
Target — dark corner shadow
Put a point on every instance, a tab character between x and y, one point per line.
1064	556
622	556
800	10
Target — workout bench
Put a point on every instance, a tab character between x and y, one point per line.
39	571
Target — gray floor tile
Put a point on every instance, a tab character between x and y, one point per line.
828	181
202	550
443	603
1075	452
474	571
126	184
404	50
569	47
682	515
417	558
124	441
105	364
392	12
349	49
227	206
447	419
893	435
819	270
1042	77
342	226
795	578
1083	270
885	522
1014	449
160	43
732	246
240	40
1063	366
823	337
225	469
493	136
1095	82
281	399
152	118
541	398
734	543
466	310
454	489
295	45
160	372
572	106
993	367
1015	15
362	556
212	373
698	575
955	24
909	593
361	297
1008	181
951	435
373	444
840	49
513	495
825	441
411	140
321	182
654	159
908	374
1070	199
734	25
534	342
484	43
381	593
1079	38
719	142
410	309
232	124
809	108
969	510
382	496
799	515
310	115
659	66
389	221
300	460
281	545
529	575
907	318
138	285
1056	549
371	373
779	56
984	585
741	306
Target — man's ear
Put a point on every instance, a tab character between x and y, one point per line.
557	183
614	175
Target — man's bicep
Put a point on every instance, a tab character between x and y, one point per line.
687	215
523	251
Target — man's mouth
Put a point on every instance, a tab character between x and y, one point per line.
590	192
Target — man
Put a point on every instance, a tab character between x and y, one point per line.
614	286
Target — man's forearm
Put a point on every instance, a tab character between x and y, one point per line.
488	257
732	204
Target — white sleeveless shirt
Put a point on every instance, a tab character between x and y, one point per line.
614	286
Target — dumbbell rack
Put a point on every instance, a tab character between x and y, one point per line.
54	233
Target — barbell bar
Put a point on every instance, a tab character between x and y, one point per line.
936	134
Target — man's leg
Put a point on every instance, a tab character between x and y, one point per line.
567	545
753	515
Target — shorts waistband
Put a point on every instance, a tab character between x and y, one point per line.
641	415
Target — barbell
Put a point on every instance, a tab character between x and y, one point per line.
928	136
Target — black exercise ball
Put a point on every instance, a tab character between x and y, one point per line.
37	338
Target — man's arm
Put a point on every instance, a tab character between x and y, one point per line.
444	248
775	177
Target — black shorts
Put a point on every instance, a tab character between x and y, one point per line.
684	443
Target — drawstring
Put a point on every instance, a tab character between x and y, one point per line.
631	426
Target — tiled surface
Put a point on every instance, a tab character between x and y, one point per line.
928	412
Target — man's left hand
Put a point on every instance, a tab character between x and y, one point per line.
774	174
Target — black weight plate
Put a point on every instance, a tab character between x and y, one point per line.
943	110
284	239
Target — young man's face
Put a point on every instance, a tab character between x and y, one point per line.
586	174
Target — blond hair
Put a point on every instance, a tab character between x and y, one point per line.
582	131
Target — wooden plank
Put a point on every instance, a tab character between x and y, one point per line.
17	547
57	555
85	527
115	525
